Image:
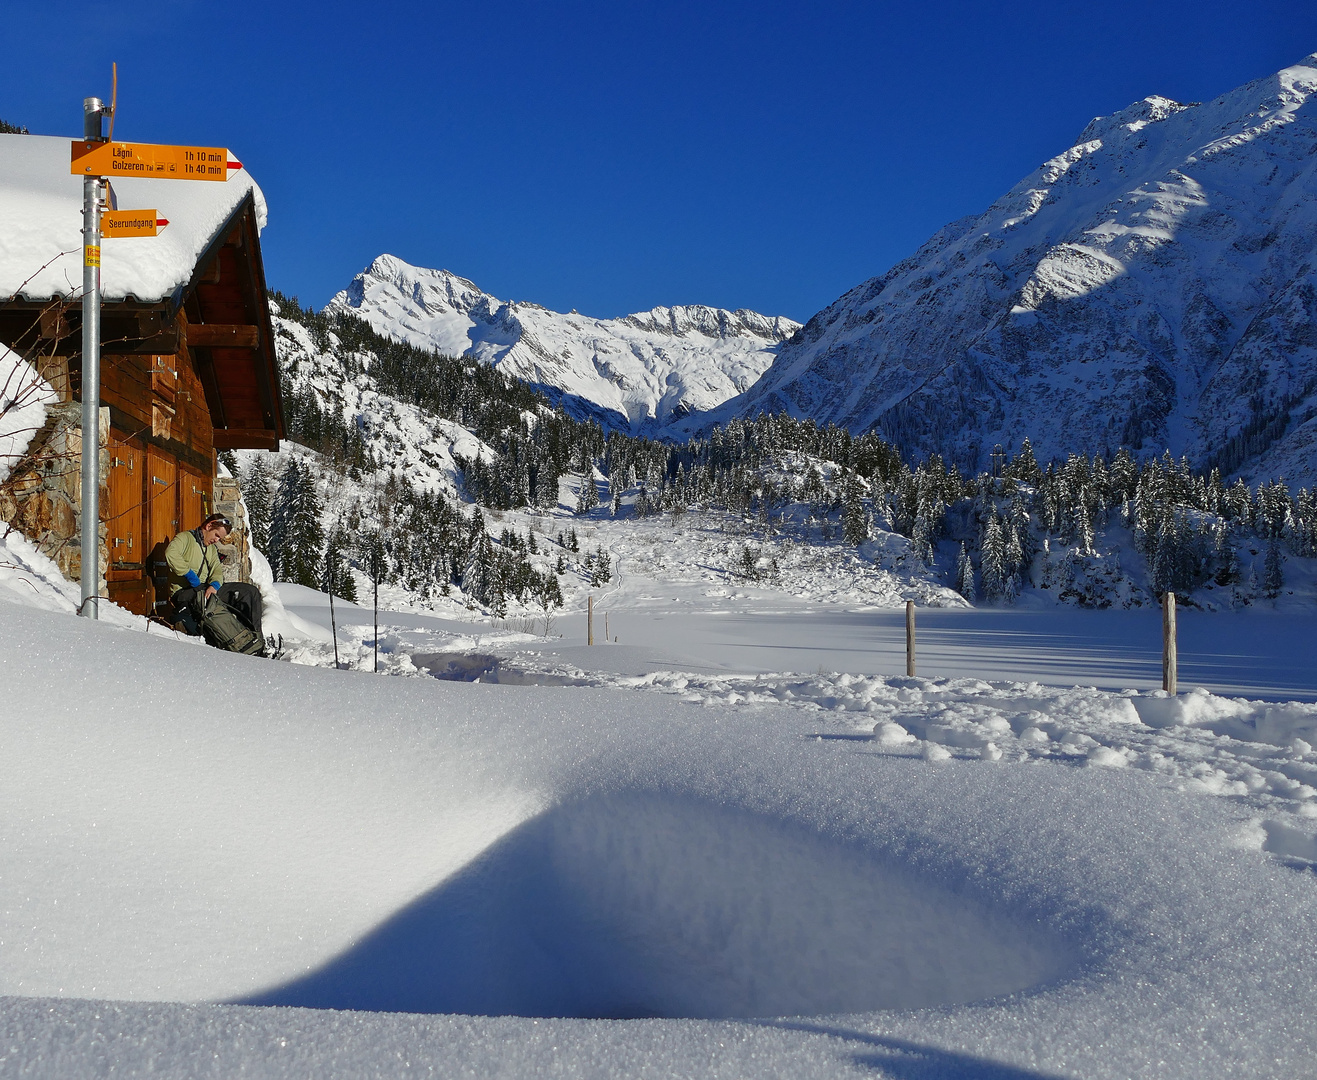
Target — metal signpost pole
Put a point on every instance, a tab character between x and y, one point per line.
94	158
93	109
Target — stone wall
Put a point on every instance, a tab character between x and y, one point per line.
236	554
43	496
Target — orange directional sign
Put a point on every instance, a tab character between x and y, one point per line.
131	223
156	162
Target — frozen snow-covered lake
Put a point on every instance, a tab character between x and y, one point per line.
1258	654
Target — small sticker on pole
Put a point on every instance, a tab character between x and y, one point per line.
132	223
151	161
91	255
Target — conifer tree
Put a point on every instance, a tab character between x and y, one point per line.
1025	466
297	539
1083	530
921	542
256	495
1225	556
546	486
854	521
1013	559
374	556
965	575
548	595
338	577
992	560
1273	570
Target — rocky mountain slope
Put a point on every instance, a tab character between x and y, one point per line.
1153	286
634	373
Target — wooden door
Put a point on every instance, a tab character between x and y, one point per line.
194	497
124	505
162	520
161	515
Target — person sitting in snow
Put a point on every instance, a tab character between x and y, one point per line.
195	576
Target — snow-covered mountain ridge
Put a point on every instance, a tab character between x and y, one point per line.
1152	286
634	373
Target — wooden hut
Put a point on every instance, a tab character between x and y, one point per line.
188	366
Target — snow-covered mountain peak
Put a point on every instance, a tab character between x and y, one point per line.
1150	110
636	372
1152	286
434	291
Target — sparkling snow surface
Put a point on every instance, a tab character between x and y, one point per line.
882	870
41	225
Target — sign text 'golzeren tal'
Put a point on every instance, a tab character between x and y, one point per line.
151	161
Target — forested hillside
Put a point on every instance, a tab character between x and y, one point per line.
412	454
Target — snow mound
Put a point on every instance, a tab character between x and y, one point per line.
638	905
191	827
1252	721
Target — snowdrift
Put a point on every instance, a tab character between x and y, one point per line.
186	826
637	904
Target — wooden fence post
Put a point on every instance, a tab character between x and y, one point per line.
1168	643
910	638
589	621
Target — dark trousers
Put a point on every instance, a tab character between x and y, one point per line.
243	598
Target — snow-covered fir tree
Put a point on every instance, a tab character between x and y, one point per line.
296	535
255	485
965	575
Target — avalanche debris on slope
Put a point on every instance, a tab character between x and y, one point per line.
1149	287
637	372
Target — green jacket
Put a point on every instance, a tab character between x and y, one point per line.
192	563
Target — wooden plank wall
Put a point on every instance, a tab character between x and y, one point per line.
162	468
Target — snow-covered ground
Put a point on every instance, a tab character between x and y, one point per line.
731	843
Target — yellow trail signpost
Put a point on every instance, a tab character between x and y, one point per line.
151	161
95	157
131	223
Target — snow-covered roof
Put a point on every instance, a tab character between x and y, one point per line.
41	226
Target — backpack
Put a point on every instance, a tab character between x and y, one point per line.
225	630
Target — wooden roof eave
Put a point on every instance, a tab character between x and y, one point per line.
242	222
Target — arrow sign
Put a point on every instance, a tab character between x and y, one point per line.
131	223
151	160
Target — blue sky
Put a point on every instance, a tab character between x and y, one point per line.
613	156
